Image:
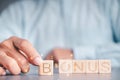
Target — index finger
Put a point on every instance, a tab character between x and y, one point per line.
26	47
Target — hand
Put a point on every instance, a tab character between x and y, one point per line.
59	53
16	54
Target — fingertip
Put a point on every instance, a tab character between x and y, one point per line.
2	71
37	60
15	71
13	67
25	69
10	64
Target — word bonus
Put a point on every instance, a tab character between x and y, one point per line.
76	66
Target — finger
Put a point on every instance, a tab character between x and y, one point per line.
21	60
8	47
28	49
51	56
2	71
9	63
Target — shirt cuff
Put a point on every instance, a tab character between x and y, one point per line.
84	52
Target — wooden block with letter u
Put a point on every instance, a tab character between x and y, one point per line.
92	66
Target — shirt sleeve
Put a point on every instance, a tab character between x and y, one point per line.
110	51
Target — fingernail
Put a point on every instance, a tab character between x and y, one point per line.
25	69
37	60
4	73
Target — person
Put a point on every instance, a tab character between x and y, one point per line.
58	29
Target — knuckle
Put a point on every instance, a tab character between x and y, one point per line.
11	63
5	42
1	69
23	62
55	50
5	45
23	43
13	37
2	53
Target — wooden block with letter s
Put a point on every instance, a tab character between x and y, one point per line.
104	66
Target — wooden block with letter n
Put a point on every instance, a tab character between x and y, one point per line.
104	66
65	66
92	66
46	68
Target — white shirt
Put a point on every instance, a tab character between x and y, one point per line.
91	28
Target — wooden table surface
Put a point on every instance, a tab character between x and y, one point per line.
33	75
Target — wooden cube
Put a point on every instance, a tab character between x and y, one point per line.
104	66
46	68
78	66
92	66
65	66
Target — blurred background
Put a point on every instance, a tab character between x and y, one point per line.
5	3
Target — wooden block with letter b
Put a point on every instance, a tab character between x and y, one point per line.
46	68
104	66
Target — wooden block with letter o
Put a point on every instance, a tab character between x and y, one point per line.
65	66
46	68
